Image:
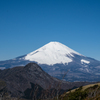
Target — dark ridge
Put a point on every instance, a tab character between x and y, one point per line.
31	81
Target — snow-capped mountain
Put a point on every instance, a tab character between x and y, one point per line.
52	53
57	59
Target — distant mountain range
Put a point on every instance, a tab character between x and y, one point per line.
58	59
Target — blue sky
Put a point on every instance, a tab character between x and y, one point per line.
26	25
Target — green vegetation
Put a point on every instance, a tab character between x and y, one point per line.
78	94
92	92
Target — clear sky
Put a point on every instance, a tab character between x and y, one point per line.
26	25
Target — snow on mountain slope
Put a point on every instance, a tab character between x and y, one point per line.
56	59
52	53
85	61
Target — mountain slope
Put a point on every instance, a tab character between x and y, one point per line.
88	92
56	59
52	53
30	79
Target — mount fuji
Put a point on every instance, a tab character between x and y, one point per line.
52	53
57	59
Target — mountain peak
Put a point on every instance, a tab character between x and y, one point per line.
52	53
54	42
